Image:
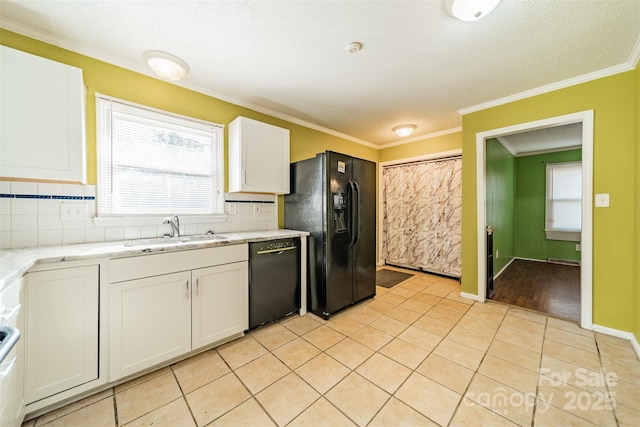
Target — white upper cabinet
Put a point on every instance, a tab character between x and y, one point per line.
43	118
258	157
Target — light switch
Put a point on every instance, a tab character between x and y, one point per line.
602	200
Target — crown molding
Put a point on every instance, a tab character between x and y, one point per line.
421	137
33	33
508	146
635	55
606	72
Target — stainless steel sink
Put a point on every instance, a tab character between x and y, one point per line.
175	240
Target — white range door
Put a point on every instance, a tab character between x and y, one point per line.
12	396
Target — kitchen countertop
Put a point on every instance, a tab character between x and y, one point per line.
15	262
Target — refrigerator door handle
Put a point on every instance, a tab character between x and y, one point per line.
357	228
355	213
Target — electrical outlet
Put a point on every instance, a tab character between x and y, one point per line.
256	208
73	211
497	254
232	208
578	247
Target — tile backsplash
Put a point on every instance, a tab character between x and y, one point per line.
30	216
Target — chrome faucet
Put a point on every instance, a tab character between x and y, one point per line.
175	225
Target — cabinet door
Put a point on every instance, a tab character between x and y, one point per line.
258	157
62	330
42	115
220	302
150	321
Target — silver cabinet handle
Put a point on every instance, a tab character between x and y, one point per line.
271	251
186	284
197	286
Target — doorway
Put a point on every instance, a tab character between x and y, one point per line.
585	119
533	199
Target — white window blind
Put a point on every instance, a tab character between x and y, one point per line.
564	201
152	162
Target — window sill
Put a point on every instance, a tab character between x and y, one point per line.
569	236
124	221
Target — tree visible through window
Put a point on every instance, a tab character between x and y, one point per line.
156	163
564	201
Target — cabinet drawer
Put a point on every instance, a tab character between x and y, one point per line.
154	265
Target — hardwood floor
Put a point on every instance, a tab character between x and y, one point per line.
550	288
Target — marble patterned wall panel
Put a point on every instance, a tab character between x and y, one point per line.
422	215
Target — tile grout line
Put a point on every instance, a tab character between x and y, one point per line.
391	395
534	413
182	394
610	396
475	372
508	314
115	407
251	395
414	370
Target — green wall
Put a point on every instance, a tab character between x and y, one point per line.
613	100
515	205
529	236
500	191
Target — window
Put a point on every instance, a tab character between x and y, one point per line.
153	163
564	201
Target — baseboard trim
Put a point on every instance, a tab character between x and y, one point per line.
619	334
504	268
469	296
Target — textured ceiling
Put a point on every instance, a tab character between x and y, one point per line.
418	65
548	139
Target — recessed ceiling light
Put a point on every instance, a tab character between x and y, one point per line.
470	10
165	65
404	130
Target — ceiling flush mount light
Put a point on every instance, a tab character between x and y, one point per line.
470	10
404	130
354	47
165	65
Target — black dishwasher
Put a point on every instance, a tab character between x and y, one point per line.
274	280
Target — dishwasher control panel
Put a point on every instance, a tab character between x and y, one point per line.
275	245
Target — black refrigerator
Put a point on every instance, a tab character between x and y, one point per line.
333	197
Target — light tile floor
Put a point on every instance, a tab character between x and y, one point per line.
416	354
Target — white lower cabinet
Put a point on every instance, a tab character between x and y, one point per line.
151	319
158	318
62	331
220	305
